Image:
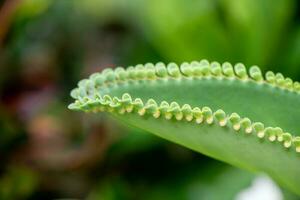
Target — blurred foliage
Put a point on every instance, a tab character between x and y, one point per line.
212	181
46	46
17	183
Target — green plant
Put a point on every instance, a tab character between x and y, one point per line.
223	111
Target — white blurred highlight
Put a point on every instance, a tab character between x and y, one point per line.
262	188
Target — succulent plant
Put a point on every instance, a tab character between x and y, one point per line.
237	116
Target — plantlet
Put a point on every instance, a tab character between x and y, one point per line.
243	118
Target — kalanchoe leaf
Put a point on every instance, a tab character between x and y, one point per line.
243	118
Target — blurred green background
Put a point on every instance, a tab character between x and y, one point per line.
46	46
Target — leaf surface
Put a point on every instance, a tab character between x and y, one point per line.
242	118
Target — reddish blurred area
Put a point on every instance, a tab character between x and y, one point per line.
43	137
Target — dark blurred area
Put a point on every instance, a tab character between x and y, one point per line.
47	46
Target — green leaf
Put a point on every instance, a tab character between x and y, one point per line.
242	118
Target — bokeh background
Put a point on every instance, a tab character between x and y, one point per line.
47	46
